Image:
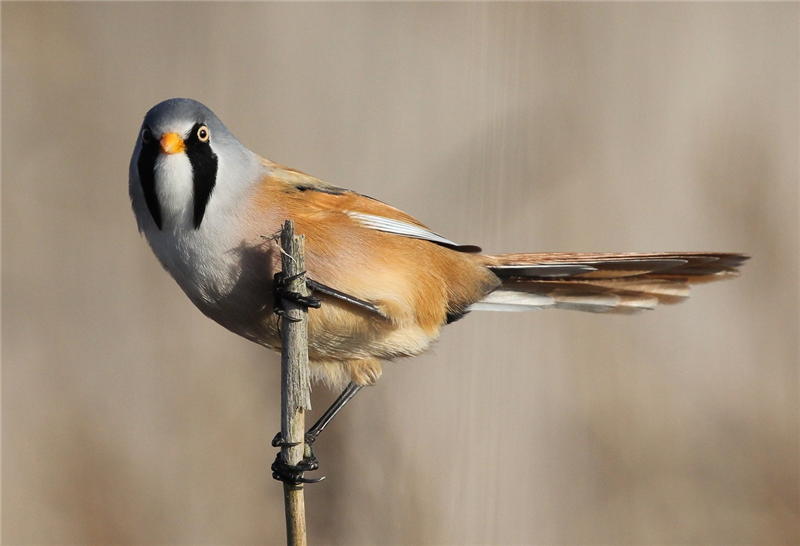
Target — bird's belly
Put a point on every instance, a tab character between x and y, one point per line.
339	331
336	331
233	287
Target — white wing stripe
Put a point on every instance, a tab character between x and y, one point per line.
387	225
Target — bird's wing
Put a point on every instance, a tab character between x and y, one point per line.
363	210
368	254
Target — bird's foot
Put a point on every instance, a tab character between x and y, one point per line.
293	473
282	293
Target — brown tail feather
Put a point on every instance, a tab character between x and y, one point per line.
619	283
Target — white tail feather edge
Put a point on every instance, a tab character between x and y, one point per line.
510	300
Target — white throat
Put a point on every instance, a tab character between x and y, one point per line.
175	188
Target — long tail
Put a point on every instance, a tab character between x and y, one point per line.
602	283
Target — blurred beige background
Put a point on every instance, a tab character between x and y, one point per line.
129	418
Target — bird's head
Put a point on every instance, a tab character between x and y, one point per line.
185	159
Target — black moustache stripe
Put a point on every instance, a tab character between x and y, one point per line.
147	177
204	164
204	168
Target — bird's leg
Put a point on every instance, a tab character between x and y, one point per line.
281	292
348	393
327	290
293	474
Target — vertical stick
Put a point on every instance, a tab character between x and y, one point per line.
295	382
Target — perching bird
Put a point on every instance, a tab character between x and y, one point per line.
209	208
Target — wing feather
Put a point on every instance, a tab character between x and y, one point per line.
406	229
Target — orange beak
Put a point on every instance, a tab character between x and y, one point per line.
171	143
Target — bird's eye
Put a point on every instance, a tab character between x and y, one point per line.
147	136
203	134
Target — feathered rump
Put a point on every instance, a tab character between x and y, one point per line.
600	283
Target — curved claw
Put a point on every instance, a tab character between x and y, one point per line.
295	480
278	310
293	474
280	282
278	441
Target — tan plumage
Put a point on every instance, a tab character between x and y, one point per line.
416	284
209	208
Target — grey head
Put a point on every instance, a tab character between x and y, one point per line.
185	156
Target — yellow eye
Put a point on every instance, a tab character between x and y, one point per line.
202	134
147	136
